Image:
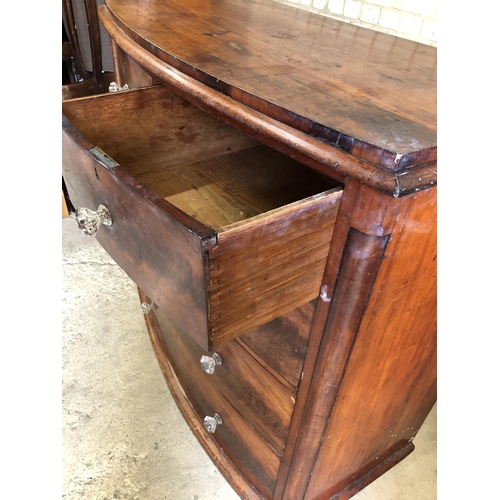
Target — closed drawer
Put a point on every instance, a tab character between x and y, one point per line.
265	403
253	455
223	233
281	344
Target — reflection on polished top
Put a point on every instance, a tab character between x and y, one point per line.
372	94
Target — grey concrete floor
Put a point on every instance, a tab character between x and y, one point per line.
123	436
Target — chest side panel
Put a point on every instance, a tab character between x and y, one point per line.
389	385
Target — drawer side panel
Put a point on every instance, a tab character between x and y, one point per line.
149	129
261	270
159	254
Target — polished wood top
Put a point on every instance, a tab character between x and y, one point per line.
371	94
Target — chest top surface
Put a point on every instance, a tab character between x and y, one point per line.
371	94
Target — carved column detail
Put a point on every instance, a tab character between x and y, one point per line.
360	262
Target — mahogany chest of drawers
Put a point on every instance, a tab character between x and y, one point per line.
268	182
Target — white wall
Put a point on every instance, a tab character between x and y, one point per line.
411	19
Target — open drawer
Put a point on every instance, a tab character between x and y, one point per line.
222	232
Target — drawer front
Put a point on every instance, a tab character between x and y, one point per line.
160	254
266	404
214	282
281	344
242	443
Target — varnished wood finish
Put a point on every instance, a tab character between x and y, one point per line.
291	141
281	344
273	260
389	385
305	435
155	136
253	456
340	232
375	473
336	81
332	292
266	404
127	71
225	465
360	262
163	256
261	270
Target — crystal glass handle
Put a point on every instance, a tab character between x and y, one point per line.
211	423
146	307
209	363
89	221
114	87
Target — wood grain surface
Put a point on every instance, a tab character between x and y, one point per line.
281	344
266	404
308	149
237	186
371	94
360	262
251	454
226	466
389	385
272	246
149	129
269	266
147	239
356	105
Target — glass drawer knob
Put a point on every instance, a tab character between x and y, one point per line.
209	363
89	221
114	87
211	423
146	307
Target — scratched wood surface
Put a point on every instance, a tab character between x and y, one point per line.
178	151
281	344
151	243
150	129
389	385
369	93
266	403
251	454
273	215
356	96
263	269
237	186
226	466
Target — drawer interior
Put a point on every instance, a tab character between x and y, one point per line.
207	169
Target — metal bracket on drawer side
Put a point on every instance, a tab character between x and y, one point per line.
103	158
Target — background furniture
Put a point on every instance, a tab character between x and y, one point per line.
86	50
86	55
